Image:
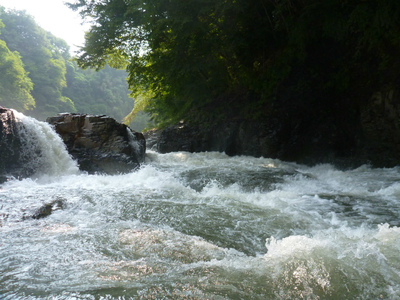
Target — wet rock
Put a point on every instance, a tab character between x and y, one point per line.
13	160
3	178
380	122
335	132
152	137
99	143
233	138
47	209
9	144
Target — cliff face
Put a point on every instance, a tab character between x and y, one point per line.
380	124
310	133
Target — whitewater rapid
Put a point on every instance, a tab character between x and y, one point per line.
203	226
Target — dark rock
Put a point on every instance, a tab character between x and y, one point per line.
309	133
259	139
234	138
181	138
13	160
152	137
47	209
99	143
9	143
3	179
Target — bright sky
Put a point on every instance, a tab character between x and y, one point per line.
53	16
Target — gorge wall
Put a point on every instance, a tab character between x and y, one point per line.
344	134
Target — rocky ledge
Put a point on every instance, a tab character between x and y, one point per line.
347	138
99	143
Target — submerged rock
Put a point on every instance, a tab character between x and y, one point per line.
99	143
48	208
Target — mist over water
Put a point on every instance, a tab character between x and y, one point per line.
203	226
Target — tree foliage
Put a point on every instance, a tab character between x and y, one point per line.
102	92
216	57
42	59
15	85
54	80
186	53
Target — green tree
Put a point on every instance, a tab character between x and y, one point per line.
187	53
220	58
44	58
99	92
60	85
15	85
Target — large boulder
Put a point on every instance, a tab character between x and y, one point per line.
11	164
99	143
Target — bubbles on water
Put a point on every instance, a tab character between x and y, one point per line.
58	228
195	226
290	246
170	245
303	279
345	260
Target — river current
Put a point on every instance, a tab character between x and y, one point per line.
200	226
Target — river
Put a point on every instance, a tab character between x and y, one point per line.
200	226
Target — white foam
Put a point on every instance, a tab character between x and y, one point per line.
134	142
291	246
43	146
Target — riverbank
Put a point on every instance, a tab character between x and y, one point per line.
345	135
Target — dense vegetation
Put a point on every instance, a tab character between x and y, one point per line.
204	59
39	77
15	85
43	56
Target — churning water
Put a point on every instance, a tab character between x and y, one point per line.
203	226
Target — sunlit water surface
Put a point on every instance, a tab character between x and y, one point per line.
203	226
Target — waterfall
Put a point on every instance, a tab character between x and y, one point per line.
43	151
133	141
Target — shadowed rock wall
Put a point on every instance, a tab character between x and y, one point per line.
310	133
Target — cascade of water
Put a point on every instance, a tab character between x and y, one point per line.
43	150
134	142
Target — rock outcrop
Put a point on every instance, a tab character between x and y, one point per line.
258	139
344	136
233	138
99	143
12	160
380	123
47	209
